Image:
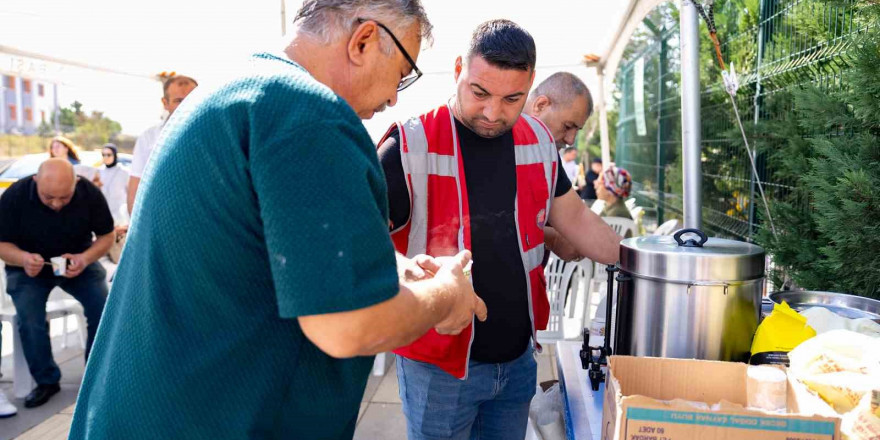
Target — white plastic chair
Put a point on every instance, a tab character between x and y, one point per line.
667	228
599	277
636	213
622	225
558	275
379	365
59	305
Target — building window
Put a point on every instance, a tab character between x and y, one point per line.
12	112
28	115
26	85
10	82
42	114
41	90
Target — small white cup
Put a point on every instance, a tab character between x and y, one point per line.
59	266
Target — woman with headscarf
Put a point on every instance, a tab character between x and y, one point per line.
613	187
115	183
63	147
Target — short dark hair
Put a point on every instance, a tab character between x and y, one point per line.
504	44
568	149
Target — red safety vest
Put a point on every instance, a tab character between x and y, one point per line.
439	223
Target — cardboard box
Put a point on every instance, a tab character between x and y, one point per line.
645	399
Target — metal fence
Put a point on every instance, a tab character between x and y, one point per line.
775	45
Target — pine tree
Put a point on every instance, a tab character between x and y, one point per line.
829	229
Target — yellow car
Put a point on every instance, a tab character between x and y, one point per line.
29	164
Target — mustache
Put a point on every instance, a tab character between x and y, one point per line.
483	118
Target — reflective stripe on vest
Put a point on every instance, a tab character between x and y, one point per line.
437	228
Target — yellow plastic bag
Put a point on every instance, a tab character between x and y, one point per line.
778	334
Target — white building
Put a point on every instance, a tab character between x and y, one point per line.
29	85
26	102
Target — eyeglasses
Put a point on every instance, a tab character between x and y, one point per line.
416	73
106	155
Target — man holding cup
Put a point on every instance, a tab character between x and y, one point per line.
46	227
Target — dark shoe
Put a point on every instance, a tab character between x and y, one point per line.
41	395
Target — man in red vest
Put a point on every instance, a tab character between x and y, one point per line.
475	174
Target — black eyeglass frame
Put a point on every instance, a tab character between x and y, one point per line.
409	79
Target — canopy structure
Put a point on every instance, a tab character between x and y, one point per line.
606	68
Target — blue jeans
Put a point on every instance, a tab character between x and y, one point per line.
29	295
493	403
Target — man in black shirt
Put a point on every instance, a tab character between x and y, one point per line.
589	193
53	214
491	398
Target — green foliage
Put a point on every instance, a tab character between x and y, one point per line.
45	130
829	230
594	143
96	130
88	130
67	118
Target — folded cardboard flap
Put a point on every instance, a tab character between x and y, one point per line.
668	379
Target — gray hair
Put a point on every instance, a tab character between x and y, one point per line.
329	20
563	87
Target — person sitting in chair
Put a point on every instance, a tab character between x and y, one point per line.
53	214
613	187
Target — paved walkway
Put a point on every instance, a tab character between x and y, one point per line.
380	413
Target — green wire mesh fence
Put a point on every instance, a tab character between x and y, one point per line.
775	45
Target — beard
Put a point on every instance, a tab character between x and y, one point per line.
497	128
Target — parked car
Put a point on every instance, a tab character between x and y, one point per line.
29	164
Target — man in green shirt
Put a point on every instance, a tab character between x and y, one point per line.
252	292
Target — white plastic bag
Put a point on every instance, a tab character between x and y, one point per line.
546	412
841	366
824	320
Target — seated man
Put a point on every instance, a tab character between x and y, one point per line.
53	214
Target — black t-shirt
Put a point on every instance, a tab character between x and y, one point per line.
32	226
589	192
498	274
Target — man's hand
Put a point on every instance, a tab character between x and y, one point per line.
465	302
32	264
120	232
76	264
418	268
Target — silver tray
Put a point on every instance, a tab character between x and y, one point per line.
849	306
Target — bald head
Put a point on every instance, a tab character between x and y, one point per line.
563	103
564	88
56	183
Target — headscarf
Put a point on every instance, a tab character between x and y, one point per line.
72	154
115	151
617	181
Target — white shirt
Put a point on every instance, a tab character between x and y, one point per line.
571	170
143	148
115	189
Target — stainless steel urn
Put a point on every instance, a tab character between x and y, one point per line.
688	298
